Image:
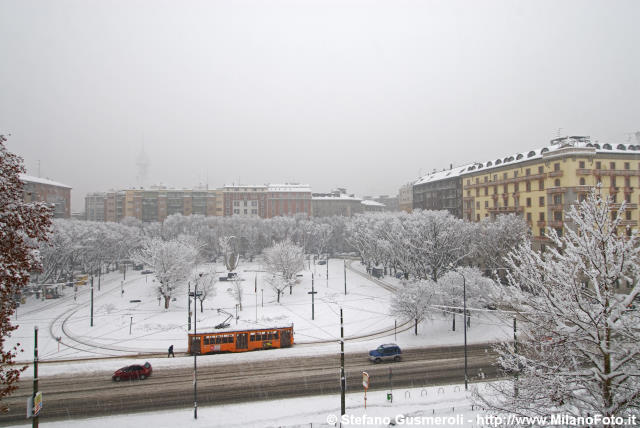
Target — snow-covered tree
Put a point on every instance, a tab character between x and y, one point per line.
578	345
411	302
283	261
22	227
206	286
493	238
171	261
236	291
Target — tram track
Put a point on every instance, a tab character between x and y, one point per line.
89	395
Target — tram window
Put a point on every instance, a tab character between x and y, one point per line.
252	337
270	337
206	340
218	339
275	335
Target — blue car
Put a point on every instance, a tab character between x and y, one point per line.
388	352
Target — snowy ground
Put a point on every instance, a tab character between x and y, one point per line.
125	328
449	403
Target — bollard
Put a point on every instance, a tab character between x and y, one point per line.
425	392
407	393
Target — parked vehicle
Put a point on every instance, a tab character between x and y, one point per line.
387	352
134	371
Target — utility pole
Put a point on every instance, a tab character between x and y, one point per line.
130	324
255	288
189	306
515	349
125	272
327	271
195	354
343	385
345	277
34	421
313	293
464	299
91	301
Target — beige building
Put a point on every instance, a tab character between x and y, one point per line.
539	185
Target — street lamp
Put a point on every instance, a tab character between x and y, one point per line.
464	321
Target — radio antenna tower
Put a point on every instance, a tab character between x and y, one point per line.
142	164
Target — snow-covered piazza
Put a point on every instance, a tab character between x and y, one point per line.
319	213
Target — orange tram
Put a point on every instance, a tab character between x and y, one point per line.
241	340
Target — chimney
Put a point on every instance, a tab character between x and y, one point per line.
450	166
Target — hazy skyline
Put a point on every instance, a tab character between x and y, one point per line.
365	95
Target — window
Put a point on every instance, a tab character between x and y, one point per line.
556	167
614	198
236	211
236	203
528	202
487	179
254	203
582	197
495	190
542	232
612	165
528	216
495	177
613	215
556	182
477	191
245	211
505	188
581	164
528	186
541	201
515	174
254	211
557	199
613	182
540	216
504	176
582	181
516	188
486	204
477	217
540	170
478	205
486	191
527	171
557	215
627	165
628	215
627	182
598	165
559	231
540	184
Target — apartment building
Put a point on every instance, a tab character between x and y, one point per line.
539	185
36	189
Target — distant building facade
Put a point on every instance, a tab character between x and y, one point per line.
390	202
336	202
44	190
405	198
369	206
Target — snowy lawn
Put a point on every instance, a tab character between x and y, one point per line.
136	322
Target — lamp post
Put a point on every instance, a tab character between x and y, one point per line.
464	313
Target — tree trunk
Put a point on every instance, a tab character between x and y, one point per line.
416	327
454	322
167	299
278	296
201	304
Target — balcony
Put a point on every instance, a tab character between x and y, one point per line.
628	223
555	174
555	190
556	223
541	223
556	207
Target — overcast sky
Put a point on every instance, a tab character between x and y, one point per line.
365	95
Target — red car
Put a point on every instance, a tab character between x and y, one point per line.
134	371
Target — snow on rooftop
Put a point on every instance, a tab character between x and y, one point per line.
341	197
289	187
371	203
31	179
559	144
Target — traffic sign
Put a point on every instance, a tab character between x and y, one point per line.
365	380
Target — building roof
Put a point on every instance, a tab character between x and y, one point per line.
557	145
289	187
341	197
31	179
371	203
